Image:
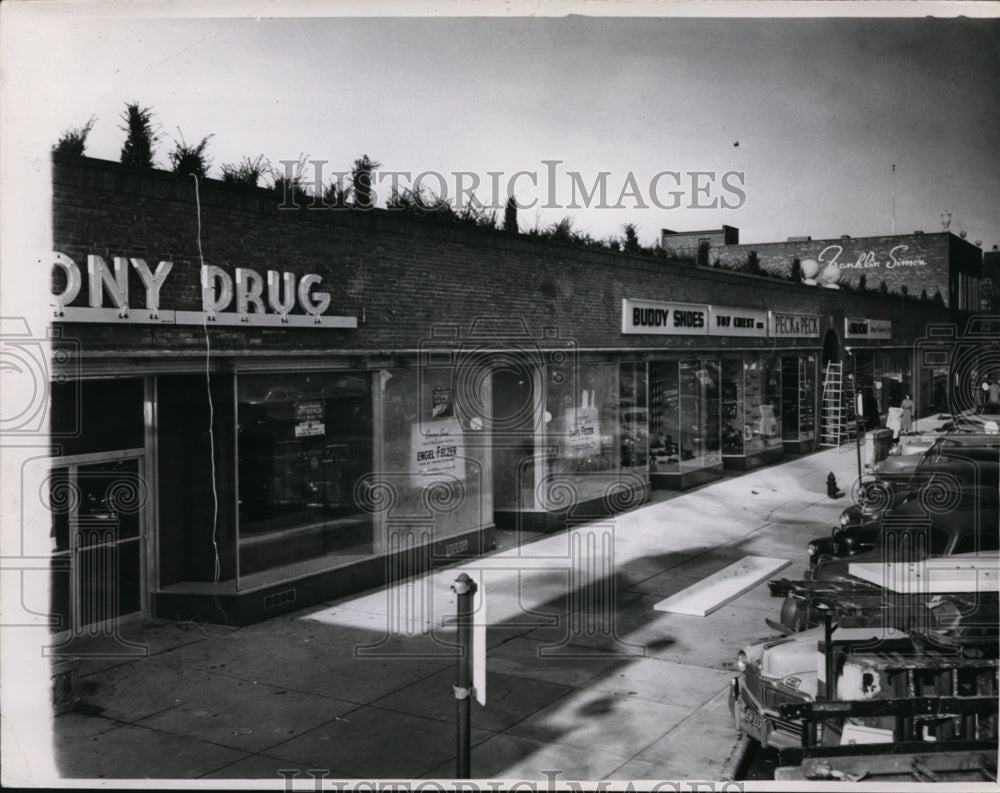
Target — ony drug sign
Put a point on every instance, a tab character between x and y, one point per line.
245	298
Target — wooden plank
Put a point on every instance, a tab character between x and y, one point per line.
718	589
924	767
945	574
904	706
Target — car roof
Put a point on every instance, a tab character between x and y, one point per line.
959	466
988	439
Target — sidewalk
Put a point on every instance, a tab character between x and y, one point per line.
585	680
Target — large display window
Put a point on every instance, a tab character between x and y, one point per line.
196	451
582	434
751	405
886	376
798	398
633	417
435	463
664	417
595	431
90	416
305	443
515	426
893	379
684	415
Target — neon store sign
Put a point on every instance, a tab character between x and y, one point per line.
868	260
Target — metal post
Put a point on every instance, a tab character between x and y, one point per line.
857	413
828	641
465	588
859	433
894	199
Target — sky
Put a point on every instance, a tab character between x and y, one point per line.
821	109
793	123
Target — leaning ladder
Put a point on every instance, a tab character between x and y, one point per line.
838	407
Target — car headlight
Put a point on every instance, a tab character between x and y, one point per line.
741	661
812	550
845	519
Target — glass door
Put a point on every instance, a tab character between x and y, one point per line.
98	530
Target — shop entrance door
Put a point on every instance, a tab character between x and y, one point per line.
831	348
99	507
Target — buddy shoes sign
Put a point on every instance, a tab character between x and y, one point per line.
245	298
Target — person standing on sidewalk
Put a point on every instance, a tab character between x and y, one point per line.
906	420
869	410
994	394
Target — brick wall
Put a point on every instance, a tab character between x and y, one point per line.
918	262
400	276
685	244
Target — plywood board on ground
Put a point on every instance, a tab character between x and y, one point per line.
720	588
945	574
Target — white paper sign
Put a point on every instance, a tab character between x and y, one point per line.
309	428
583	432
438	447
479	643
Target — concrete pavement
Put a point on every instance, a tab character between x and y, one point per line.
585	680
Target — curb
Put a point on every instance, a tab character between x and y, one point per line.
737	759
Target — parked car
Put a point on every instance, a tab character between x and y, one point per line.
945	502
985	418
965	445
854	602
778	671
949	455
949	487
914	444
969	530
950	652
967	499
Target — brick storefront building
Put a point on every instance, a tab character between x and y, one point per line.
939	265
295	404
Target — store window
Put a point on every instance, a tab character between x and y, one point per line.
751	405
633	417
436	455
735	429
305	443
862	370
582	432
768	425
893	379
90	416
197	524
664	417
684	415
798	397
515	425
699	414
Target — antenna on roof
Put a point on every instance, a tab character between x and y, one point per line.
894	198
